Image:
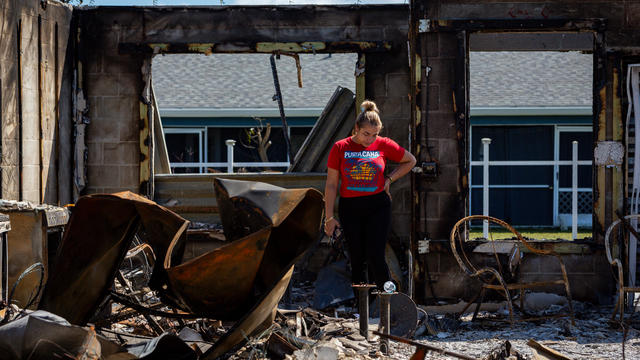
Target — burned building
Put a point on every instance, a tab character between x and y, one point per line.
78	112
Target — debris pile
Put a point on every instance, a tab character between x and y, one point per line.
122	266
135	280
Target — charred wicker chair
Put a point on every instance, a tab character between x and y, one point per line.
501	277
615	232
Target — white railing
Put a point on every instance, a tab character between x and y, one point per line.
230	163
486	163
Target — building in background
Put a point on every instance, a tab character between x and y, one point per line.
531	104
206	100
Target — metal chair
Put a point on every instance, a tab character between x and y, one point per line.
613	232
496	277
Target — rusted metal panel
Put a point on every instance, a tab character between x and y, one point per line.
335	123
28	244
96	239
268	229
259	318
293	213
219	283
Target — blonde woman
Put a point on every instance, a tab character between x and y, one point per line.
356	170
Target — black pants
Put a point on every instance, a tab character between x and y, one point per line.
366	222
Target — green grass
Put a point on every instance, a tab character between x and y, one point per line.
531	233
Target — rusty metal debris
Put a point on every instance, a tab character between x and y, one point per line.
613	233
385	320
363	307
334	123
403	316
35	232
498	277
267	229
99	233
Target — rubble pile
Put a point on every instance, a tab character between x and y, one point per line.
151	285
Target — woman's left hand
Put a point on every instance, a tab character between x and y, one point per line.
387	187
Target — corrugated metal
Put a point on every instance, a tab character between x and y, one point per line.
334	124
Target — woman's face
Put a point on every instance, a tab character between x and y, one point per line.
366	134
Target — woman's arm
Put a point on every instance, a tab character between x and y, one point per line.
407	163
330	194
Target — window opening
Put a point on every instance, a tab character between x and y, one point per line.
205	100
532	104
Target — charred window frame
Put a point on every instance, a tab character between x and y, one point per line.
361	48
463	29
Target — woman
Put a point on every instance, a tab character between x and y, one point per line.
357	163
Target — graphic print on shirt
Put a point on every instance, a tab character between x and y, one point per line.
361	170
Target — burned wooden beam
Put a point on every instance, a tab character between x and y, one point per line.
265	47
545	353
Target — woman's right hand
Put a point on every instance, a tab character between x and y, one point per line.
330	226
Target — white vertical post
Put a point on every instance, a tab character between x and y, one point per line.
230	144
485	185
574	192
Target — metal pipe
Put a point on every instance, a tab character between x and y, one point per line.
363	307
385	319
278	97
485	185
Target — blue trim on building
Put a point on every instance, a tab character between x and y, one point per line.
531	120
234	122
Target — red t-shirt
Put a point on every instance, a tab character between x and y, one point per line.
362	169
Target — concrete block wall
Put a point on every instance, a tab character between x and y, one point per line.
387	82
9	76
590	276
33	50
445	200
113	78
113	85
444	197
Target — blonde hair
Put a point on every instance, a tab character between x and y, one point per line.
369	115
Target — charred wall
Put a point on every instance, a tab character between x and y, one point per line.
35	101
441	41
117	44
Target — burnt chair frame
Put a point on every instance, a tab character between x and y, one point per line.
617	262
496	281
